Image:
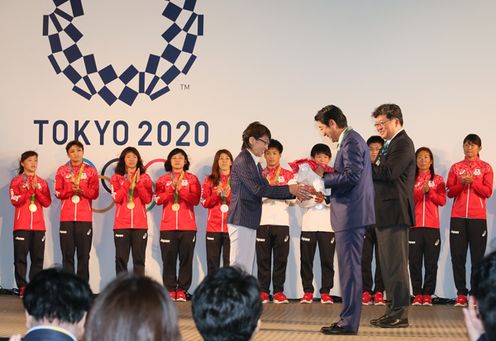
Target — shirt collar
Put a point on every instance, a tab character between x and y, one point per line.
425	175
342	136
389	141
474	160
60	330
255	158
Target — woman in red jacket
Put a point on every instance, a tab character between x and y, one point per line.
131	191
216	196
29	194
425	240
178	191
76	185
470	183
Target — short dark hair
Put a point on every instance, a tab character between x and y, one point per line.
73	143
375	139
24	156
484	290
275	144
54	294
255	129
227	305
431	168
121	164
331	112
167	164
320	148
390	110
474	139
132	307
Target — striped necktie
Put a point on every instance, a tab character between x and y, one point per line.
385	148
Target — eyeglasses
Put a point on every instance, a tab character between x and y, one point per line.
264	141
381	124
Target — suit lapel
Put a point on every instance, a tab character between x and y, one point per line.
338	165
387	150
260	171
252	167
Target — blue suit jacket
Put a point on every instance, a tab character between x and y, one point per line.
248	186
46	334
352	195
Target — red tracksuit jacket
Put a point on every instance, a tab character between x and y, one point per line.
189	196
427	204
81	211
216	220
126	218
20	196
470	200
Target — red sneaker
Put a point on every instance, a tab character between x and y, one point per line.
461	301
418	300
180	296
264	297
307	298
279	298
326	299
172	295
379	299
427	300
366	298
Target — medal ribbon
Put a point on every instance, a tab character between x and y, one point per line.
276	175
31	198
228	185
79	173
176	192
133	186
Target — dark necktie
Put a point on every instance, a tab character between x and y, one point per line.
385	148
260	171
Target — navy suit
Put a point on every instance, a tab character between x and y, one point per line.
47	334
352	210
248	186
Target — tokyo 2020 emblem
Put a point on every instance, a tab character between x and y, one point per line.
89	78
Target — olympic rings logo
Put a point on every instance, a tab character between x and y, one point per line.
89	79
104	179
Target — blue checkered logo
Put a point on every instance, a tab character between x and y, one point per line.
89	78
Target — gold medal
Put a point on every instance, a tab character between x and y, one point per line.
224	208
75	199
130	205
175	207
33	208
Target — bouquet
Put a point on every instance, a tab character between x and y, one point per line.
304	170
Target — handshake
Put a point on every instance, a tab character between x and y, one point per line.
301	192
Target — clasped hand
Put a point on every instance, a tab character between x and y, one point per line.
301	192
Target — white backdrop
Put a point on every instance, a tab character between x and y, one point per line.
273	61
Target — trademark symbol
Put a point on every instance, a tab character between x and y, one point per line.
184	86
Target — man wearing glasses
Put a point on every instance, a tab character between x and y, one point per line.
248	186
393	173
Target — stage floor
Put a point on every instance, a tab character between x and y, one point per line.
296	321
